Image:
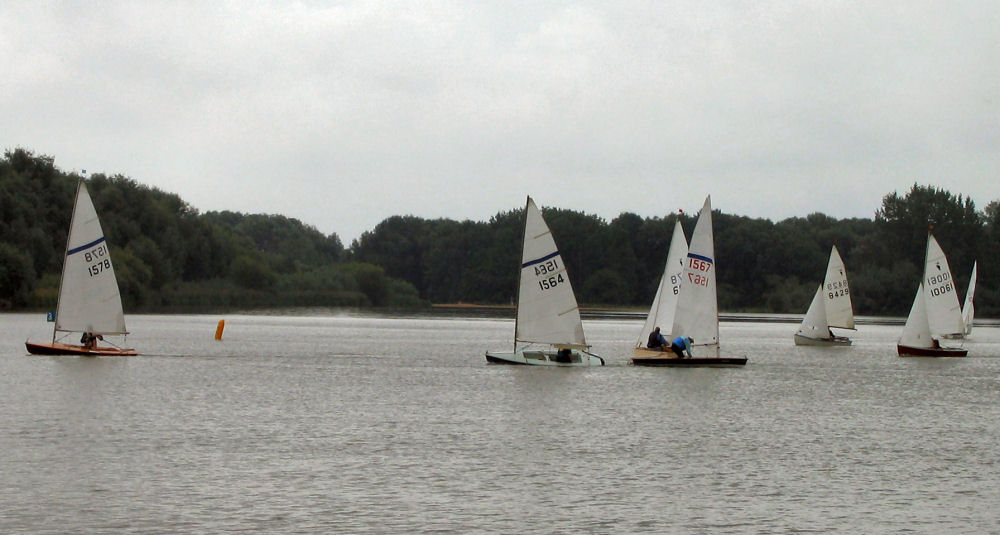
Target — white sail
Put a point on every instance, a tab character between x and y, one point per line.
697	313
837	293
944	314
546	306
88	294
661	313
814	324
968	309
917	332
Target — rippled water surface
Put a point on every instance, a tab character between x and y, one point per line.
365	424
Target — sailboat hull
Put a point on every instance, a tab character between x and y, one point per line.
836	341
544	358
66	349
909	351
671	360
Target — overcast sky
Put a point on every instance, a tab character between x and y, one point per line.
343	113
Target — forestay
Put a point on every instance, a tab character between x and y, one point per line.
547	311
661	313
697	313
89	300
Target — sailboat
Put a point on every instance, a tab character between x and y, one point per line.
830	307
697	311
89	300
661	312
935	310
968	309
548	330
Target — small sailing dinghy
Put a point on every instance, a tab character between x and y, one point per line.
697	310
548	330
89	301
935	310
830	307
968	309
661	313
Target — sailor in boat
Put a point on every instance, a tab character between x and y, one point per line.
89	341
681	345
656	341
564	355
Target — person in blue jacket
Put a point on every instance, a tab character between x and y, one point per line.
682	344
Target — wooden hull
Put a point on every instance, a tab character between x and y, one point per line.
66	349
908	351
836	341
643	352
671	360
544	358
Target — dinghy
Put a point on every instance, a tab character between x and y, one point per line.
830	307
548	330
935	310
697	310
89	300
968	309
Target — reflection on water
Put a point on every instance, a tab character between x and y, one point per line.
366	424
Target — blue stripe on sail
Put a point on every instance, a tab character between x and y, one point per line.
699	257
83	247
539	260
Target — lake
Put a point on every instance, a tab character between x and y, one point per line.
348	423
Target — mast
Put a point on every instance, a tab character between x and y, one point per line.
62	274
520	261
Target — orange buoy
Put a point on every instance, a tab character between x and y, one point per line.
218	330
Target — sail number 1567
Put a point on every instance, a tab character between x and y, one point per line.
697	264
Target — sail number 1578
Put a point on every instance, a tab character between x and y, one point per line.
103	261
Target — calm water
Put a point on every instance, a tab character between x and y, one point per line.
360	424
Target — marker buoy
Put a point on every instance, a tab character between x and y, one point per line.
218	330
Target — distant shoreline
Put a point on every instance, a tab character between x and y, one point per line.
633	313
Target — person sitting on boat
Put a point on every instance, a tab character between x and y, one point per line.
89	340
564	355
682	344
656	341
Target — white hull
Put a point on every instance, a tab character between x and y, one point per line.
544	358
837	341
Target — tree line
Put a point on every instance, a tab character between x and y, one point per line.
763	266
170	257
